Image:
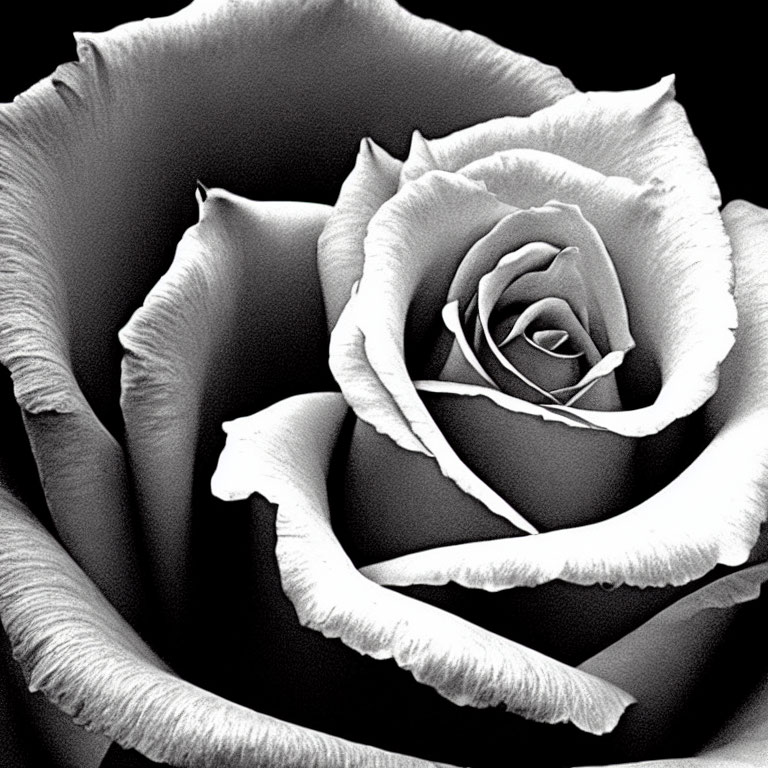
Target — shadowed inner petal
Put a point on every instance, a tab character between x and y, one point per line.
549	369
562	279
526	330
236	321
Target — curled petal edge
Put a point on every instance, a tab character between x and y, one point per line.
368	340
283	453
678	535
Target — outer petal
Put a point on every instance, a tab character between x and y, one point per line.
90	663
284	453
710	514
97	165
369	185
34	731
666	661
236	323
641	134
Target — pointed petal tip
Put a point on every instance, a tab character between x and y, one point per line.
366	145
201	192
667	84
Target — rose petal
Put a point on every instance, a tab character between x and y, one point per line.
98	159
349	363
418	161
433	220
170	93
642	134
283	453
555	475
34	731
83	473
453	213
392	502
710	514
412	242
235	323
675	274
369	185
562	279
462	364
489	289
562	225
81	654
552	312
25	719
664	660
557	313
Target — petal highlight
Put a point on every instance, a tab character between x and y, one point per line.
369	185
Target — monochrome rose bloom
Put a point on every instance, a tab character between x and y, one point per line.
496	448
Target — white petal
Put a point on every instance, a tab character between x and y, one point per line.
77	650
555	475
462	364
642	134
174	88
710	514
362	387
32	726
562	279
370	184
236	319
283	453
674	268
411	244
551	311
490	288
98	161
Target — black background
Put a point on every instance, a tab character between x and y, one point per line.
720	72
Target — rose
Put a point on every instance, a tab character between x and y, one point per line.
400	241
21	612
